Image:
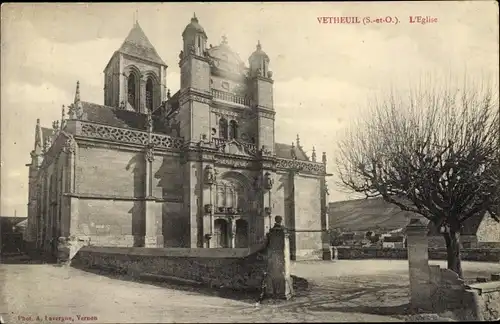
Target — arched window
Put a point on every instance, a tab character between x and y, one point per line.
230	195
131	90
223	128
233	129
149	94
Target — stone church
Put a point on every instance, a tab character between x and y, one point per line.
199	168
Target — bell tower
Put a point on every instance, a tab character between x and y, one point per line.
135	77
195	95
261	85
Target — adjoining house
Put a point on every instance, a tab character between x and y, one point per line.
10	234
380	217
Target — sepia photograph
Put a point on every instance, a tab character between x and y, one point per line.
230	162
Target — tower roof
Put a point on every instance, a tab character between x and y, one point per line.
259	52
138	45
194	27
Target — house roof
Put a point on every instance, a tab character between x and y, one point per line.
9	221
138	45
368	214
285	151
394	239
120	118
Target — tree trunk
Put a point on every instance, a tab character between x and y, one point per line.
453	252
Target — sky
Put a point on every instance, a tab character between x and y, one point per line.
324	74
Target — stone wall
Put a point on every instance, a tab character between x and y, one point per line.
350	253
112	212
480	301
488	300
307	227
237	269
231	268
466	241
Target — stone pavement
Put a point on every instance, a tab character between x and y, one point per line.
339	291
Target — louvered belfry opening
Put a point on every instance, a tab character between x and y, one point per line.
131	91
149	94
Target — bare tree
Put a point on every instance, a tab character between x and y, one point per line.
433	151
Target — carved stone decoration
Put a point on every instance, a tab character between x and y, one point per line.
46	144
327	191
304	166
268	181
75	111
193	97
235	163
220	112
268	211
149	122
210	175
264	151
256	182
209	208
150	154
70	145
129	136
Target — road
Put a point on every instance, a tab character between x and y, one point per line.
339	291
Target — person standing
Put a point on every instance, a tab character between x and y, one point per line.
263	286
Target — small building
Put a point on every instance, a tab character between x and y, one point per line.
394	242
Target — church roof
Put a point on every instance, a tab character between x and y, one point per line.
120	118
46	133
138	45
285	151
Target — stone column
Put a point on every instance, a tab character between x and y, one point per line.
279	280
153	236
70	148
325	237
418	261
232	232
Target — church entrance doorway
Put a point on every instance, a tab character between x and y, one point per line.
241	239
220	233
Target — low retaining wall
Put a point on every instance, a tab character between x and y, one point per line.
239	269
488	300
477	302
353	253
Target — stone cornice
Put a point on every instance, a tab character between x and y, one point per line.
189	56
265	112
122	198
262	78
194	95
142	60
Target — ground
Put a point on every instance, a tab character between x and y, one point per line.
338	291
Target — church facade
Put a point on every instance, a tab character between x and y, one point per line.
196	169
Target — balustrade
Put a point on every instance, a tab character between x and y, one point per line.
227	96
